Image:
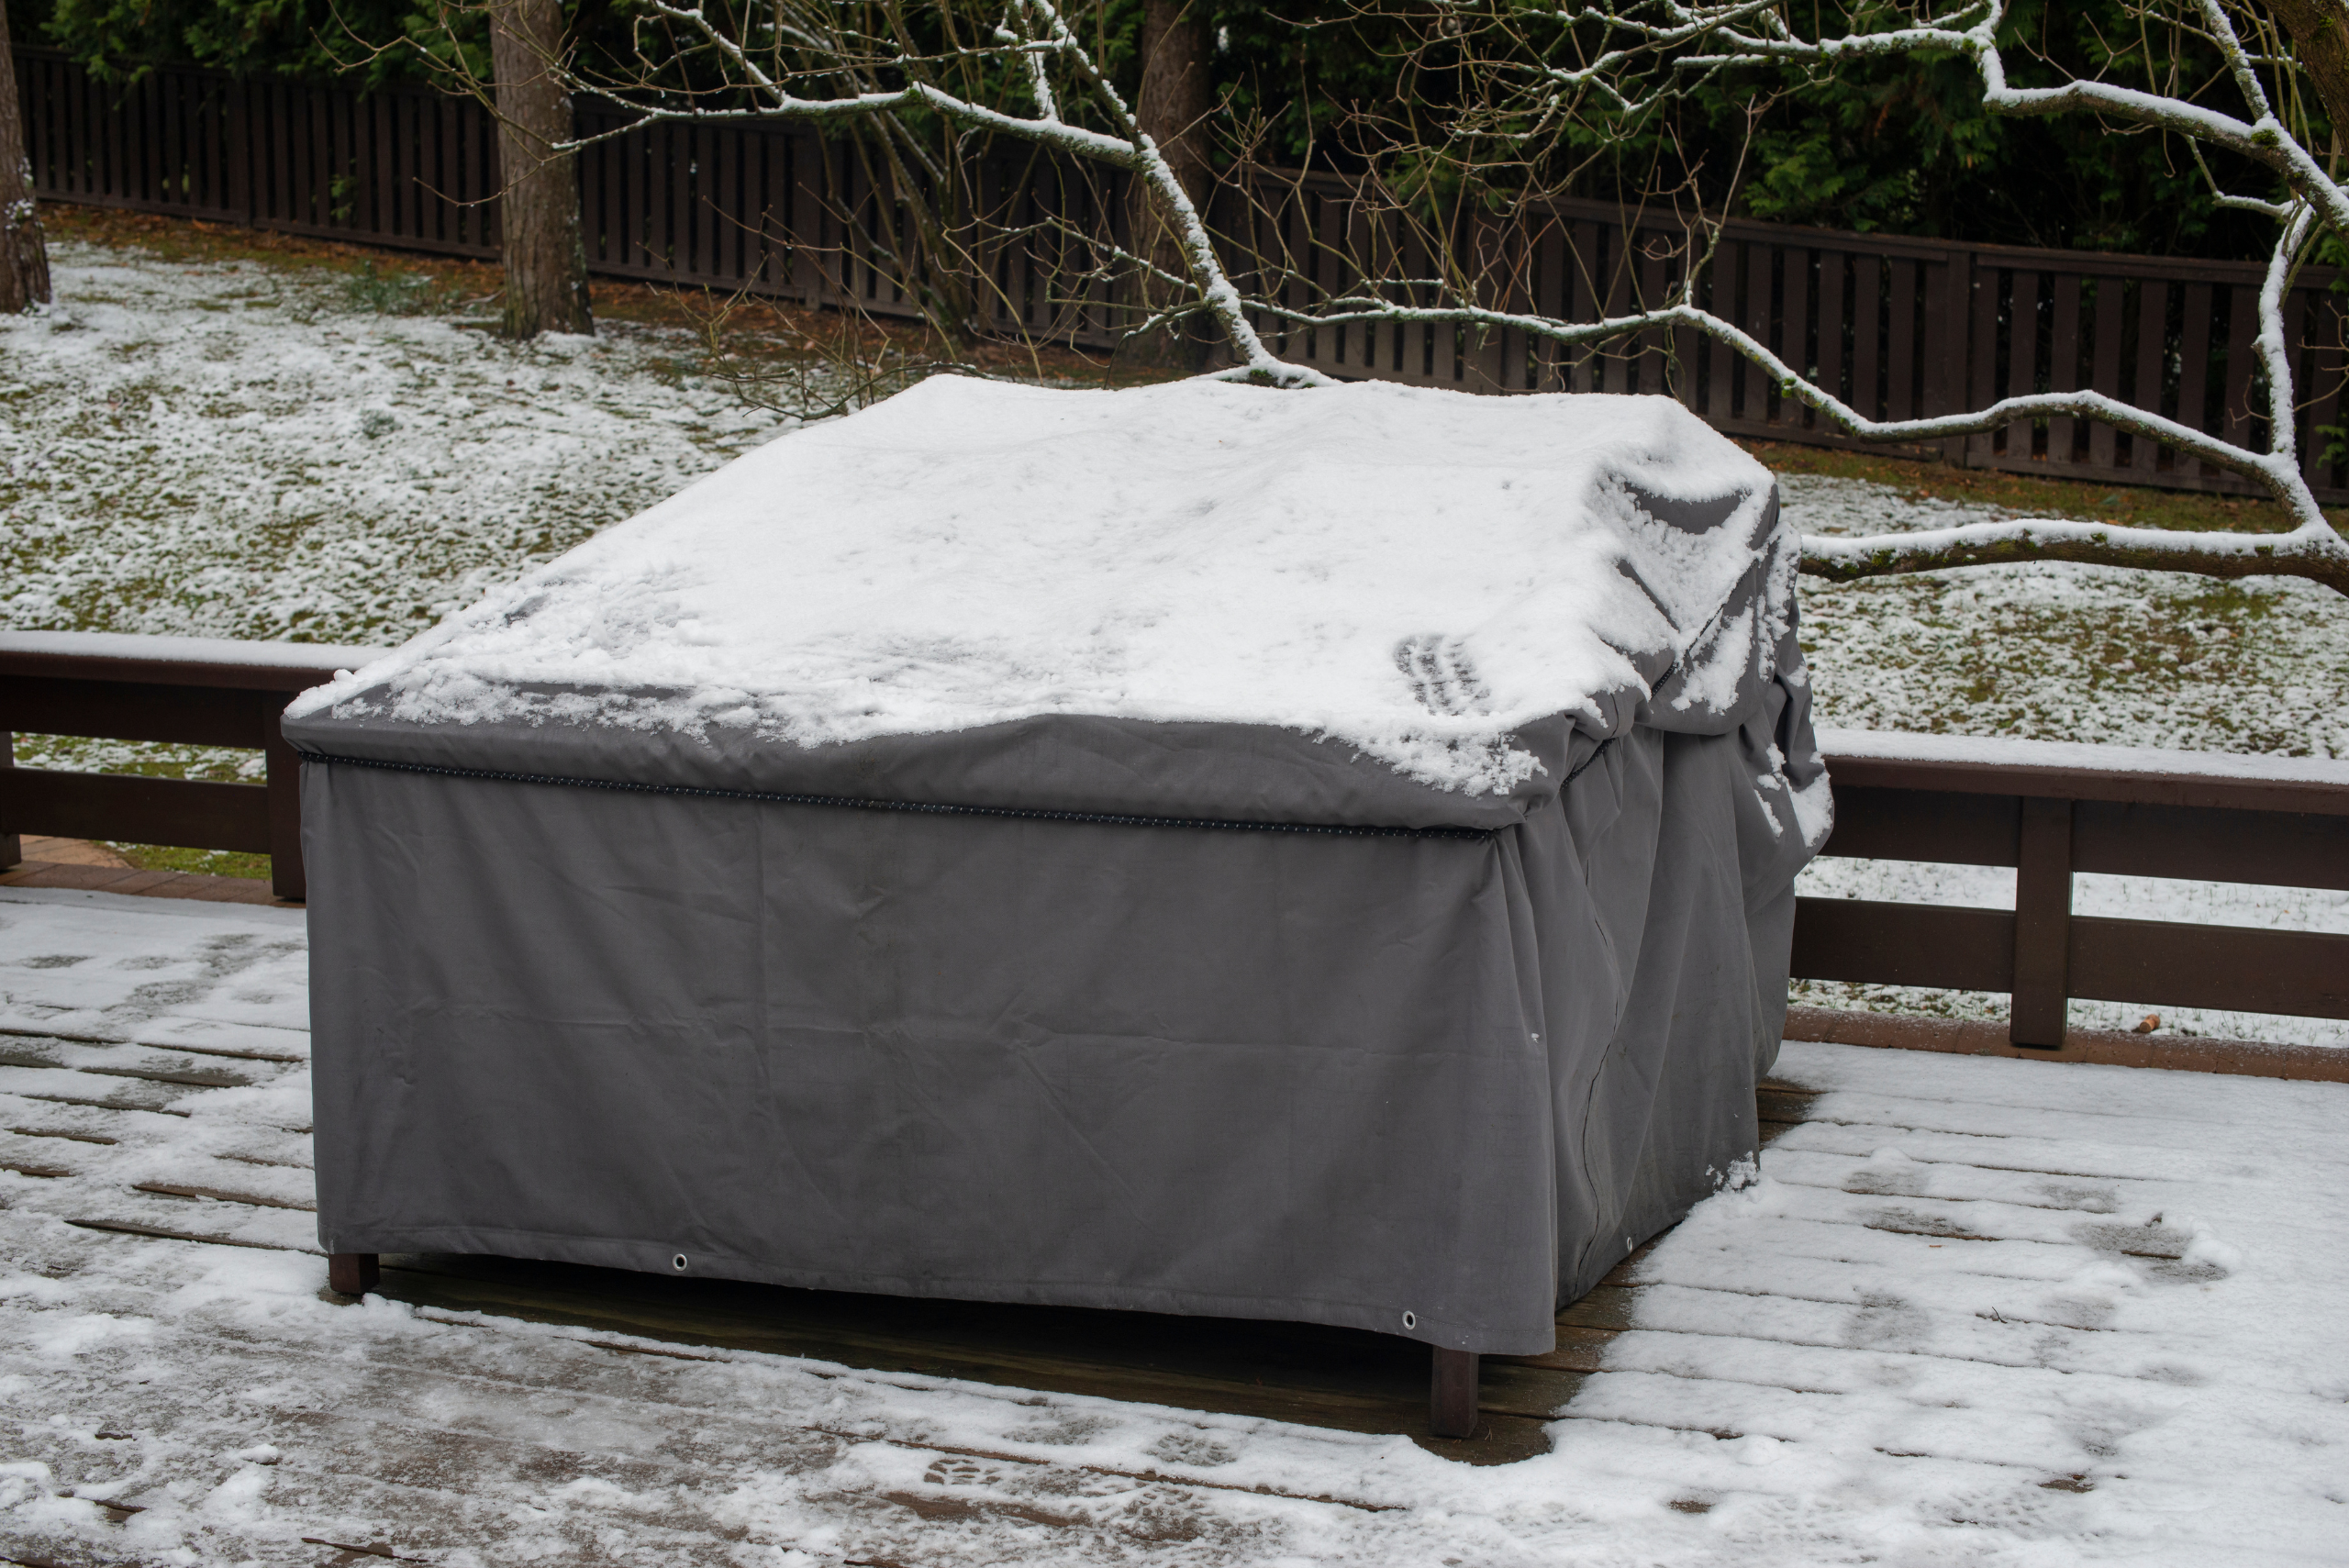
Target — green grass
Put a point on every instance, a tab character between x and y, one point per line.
203	862
2028	495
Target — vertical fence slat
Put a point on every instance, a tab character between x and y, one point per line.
1720	299
1833	265
2104	374
2153	343
1760	322
2242	325
2194	368
2022	358
1794	332
1614	366
1949	294
1651	360
1553	292
1867	356
2063	364
1901	346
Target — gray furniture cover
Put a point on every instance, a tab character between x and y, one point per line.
622	958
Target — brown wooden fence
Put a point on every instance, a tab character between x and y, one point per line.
1897	327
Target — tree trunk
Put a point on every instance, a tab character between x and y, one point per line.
1172	108
24	254
545	263
2320	30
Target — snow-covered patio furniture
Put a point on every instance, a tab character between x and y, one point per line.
1321	856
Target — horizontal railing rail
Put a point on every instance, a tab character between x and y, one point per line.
182	690
2050	811
1898	327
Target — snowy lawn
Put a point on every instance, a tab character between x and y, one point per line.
1975	1311
248	447
2055	652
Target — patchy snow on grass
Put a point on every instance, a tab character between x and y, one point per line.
1973	1311
2057	652
2053	651
239	449
236	449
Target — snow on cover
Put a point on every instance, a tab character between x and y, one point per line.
1414	572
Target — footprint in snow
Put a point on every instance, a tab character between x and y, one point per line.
1441	674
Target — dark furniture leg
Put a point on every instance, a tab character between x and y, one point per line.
352	1274
1452	1405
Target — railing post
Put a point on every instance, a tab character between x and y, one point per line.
12	849
2043	924
286	878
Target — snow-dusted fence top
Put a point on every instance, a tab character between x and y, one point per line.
1897	328
187	690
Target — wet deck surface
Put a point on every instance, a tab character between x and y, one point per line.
1343	1379
153	1093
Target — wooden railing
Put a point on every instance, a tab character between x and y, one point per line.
187	691
2048	810
1895	327
2051	811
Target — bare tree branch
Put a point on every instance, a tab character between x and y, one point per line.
1623	61
1030	37
1528	75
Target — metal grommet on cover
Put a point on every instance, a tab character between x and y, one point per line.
1411	1319
678	1262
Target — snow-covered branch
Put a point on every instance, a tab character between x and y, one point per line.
2304	552
1031	38
2313	549
1021	71
1614	61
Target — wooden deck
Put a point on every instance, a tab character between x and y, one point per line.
1343	1379
70	1103
1914	1295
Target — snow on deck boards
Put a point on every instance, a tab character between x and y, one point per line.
1976	1310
